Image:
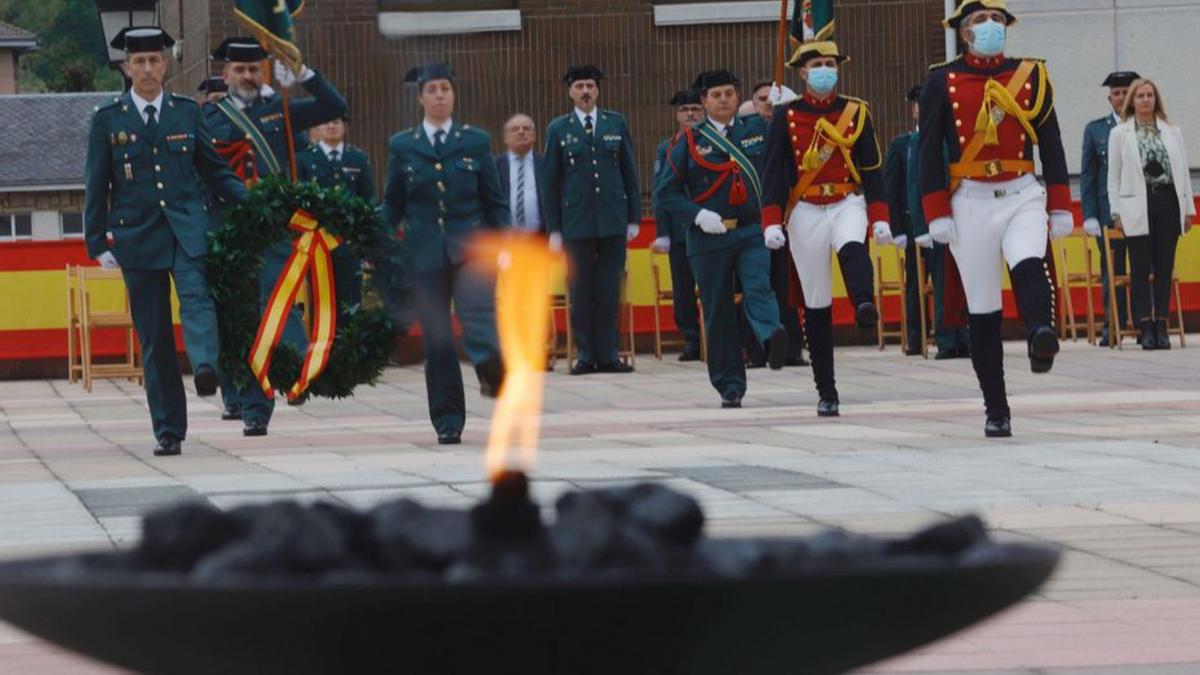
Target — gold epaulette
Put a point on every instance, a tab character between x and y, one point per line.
944	64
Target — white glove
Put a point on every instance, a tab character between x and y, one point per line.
883	233
710	222
555	242
503	260
901	241
773	235
1061	224
925	241
781	94
286	78
943	230
661	245
1092	227
108	261
631	231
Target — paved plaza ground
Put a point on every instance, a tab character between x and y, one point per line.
1105	462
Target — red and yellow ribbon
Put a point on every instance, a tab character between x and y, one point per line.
310	257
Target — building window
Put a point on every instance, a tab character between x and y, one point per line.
16	226
444	5
71	225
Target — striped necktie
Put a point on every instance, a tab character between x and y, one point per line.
519	216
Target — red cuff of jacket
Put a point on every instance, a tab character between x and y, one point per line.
771	215
936	205
1058	198
878	211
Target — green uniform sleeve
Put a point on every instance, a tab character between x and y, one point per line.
325	104
395	197
633	190
98	178
670	188
552	173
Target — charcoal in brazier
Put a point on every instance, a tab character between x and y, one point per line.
283	537
178	536
410	536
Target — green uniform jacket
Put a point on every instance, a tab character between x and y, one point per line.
266	113
148	189
353	170
895	170
683	177
443	197
591	187
666	225
1093	174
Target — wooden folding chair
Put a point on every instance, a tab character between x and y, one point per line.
1068	280
925	306
74	362
661	295
625	326
890	289
88	280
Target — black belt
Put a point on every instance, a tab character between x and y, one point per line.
1153	188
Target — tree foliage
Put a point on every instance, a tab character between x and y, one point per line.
72	56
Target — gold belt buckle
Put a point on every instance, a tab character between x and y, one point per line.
991	169
730	223
827	190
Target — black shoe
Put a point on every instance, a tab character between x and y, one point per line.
614	367
1148	337
731	401
206	380
452	437
690	355
1042	348
797	360
943	354
168	446
751	364
254	428
828	408
583	368
1162	338
491	377
913	352
998	427
867	315
231	413
777	349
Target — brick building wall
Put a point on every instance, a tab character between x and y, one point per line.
66	201
890	41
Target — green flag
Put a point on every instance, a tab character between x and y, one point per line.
812	20
271	23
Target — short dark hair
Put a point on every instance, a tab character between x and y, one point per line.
760	84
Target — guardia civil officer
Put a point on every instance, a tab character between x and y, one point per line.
150	159
1093	189
593	208
443	186
711	183
671	234
331	162
212	89
250	131
823	164
985	112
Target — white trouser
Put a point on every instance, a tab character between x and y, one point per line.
1008	218
814	231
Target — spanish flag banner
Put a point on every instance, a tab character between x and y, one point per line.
310	258
271	22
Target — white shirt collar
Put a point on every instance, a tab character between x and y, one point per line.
141	104
582	115
514	157
1116	118
719	126
431	129
326	148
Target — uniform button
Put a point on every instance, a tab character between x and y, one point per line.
122	221
162	203
1028	85
155	151
956	105
441	221
795	139
1026	103
594	162
791	125
597	190
438	166
958	123
185	148
962	140
953	89
1022	137
160	186
157	167
597	176
953	75
1021	154
441	186
797	153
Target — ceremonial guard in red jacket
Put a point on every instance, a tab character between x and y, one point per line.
823	165
986	111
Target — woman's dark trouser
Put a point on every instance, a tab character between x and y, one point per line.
1155	252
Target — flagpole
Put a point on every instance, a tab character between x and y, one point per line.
781	54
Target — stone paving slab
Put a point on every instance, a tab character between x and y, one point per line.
1105	462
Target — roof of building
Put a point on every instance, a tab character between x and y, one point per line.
45	138
12	37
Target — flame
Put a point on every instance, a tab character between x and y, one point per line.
525	270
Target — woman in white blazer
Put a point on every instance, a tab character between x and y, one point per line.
1150	192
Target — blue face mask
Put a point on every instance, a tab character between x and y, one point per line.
822	79
989	37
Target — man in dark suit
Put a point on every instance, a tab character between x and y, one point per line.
520	174
1093	187
150	158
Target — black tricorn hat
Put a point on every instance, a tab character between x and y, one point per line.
582	73
212	85
967	7
1121	78
714	78
685	97
429	72
913	94
142	39
240	50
